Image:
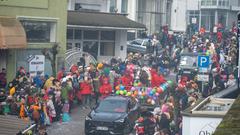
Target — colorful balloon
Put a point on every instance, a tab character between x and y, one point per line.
122	87
125	92
117	87
118	92
121	92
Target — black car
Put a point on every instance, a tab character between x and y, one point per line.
114	115
188	65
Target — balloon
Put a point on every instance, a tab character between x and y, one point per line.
139	84
170	82
125	92
157	94
121	92
117	88
143	94
122	87
135	84
154	90
133	88
151	93
142	97
129	93
118	92
135	93
159	90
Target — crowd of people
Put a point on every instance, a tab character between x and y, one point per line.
47	99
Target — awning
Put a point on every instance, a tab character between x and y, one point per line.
102	20
12	34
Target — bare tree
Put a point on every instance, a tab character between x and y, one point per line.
51	55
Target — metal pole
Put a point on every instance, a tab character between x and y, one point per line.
238	40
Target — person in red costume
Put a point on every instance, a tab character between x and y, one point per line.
105	88
127	80
156	80
86	91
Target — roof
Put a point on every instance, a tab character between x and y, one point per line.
11	125
12	34
230	123
100	19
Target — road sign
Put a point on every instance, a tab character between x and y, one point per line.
203	78
203	61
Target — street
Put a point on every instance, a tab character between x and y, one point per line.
76	125
73	127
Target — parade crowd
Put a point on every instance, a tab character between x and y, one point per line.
47	99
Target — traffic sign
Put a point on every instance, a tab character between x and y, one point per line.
203	61
203	77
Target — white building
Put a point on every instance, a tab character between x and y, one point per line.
204	13
93	28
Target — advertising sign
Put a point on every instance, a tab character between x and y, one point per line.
36	64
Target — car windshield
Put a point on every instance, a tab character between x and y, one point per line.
117	106
190	61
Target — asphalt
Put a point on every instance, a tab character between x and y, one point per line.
74	127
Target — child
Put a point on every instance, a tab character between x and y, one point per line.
65	110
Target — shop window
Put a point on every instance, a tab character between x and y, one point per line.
38	31
107	48
108	35
90	35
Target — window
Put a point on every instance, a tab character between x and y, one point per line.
107	48
90	34
113	6
69	33
38	31
124	6
108	35
77	6
77	34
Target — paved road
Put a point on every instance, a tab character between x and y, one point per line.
74	127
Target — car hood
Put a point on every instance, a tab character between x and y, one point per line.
106	116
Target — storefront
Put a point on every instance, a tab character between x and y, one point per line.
204	117
12	37
103	35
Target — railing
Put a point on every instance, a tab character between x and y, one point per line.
73	56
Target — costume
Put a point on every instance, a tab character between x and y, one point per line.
127	81
105	88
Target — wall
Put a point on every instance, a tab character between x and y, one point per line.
178	19
39	9
121	40
199	125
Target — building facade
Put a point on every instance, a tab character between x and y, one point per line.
44	25
194	14
152	13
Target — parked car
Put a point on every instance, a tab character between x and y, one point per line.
113	115
139	45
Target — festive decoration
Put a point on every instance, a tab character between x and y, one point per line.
146	94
